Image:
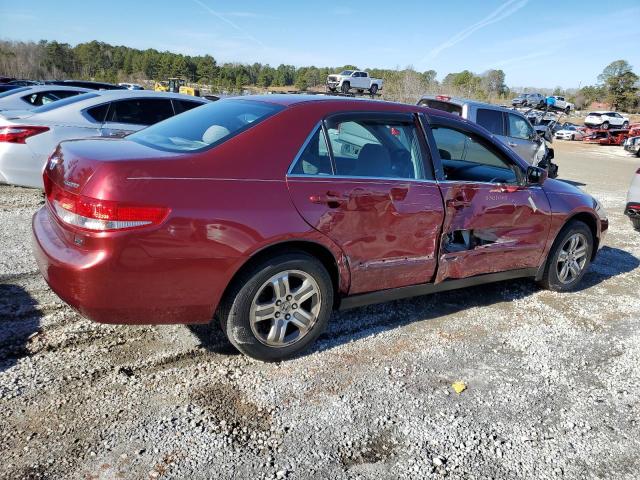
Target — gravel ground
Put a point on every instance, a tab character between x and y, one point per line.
553	380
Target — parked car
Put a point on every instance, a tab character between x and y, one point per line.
632	209
131	86
510	126
5	87
28	98
535	100
605	120
562	104
569	132
27	138
216	214
23	83
606	137
350	79
86	84
632	145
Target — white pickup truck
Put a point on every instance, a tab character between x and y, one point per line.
353	79
562	104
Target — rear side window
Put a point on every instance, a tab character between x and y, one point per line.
372	147
444	106
492	120
67	101
202	128
141	111
181	106
98	113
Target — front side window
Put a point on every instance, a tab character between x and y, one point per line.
519	127
466	157
371	147
206	127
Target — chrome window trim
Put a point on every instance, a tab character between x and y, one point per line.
350	177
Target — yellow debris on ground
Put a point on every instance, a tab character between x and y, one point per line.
459	387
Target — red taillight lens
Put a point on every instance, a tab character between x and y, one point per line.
395	132
101	215
443	98
19	134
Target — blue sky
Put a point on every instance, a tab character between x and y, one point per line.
536	42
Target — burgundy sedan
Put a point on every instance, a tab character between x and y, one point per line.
266	213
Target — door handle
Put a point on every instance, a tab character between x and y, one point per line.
332	199
511	144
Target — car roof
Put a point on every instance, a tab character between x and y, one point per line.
50	88
461	101
118	94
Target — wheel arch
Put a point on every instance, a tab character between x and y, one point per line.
315	249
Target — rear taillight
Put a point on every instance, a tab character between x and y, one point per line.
443	98
100	215
19	133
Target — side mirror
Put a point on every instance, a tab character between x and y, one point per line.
536	175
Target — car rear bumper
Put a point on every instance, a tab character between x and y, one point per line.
124	285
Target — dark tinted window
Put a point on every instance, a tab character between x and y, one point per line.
314	159
201	128
61	103
492	120
98	113
444	106
184	105
140	111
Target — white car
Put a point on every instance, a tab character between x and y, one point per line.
131	86
27	138
353	79
562	104
28	98
605	120
632	210
569	133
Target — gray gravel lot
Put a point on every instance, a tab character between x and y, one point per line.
553	380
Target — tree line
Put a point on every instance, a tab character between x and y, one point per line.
104	62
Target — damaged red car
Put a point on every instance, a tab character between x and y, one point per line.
266	213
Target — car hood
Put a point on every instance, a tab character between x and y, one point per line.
563	187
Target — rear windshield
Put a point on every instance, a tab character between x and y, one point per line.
444	106
13	90
61	103
205	127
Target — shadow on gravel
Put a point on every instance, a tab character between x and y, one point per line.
610	262
352	325
213	338
19	320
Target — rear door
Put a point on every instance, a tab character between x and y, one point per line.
521	137
371	189
128	116
493	222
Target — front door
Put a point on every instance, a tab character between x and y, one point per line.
493	222
369	191
521	137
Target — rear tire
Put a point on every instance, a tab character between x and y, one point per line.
569	258
374	89
605	125
346	86
567	110
625	125
636	223
278	307
573	137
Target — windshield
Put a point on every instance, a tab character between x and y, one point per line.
61	103
346	72
13	90
205	127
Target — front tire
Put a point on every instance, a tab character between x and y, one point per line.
625	125
374	89
569	258
278	307
605	126
567	110
346	86
636	224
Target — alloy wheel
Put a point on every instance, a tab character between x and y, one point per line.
285	308
572	258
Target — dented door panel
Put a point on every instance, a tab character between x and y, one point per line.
388	229
491	228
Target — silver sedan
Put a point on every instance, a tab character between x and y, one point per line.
28	137
30	97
